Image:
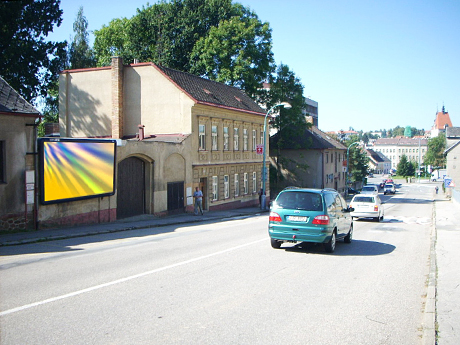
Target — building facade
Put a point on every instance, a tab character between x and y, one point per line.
175	131
319	163
415	149
18	124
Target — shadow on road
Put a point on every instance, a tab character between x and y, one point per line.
355	248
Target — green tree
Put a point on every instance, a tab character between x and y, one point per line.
290	124
236	52
435	153
405	168
29	63
113	40
214	38
164	33
358	163
80	54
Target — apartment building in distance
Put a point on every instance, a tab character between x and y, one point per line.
415	149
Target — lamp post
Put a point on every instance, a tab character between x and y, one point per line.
348	154
264	174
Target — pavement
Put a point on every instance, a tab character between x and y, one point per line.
441	324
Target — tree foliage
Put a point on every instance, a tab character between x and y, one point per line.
80	54
358	164
435	154
236	52
405	168
29	63
213	38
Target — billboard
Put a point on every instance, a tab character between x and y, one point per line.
76	169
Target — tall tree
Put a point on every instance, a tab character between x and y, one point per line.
80	54
290	124
358	164
214	38
405	167
29	63
236	52
435	153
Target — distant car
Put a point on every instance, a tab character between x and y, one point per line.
310	215
367	206
370	175
370	189
382	184
352	191
389	188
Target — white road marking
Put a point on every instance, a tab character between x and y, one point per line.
122	280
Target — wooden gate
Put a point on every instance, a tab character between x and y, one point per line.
175	197
130	188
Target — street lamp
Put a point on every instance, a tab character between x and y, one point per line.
264	173
348	154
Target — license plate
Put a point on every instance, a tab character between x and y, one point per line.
296	219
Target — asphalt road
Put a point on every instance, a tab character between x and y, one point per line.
222	283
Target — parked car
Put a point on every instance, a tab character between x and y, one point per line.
310	215
367	206
389	188
352	191
370	189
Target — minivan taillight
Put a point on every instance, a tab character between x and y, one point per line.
274	217
376	208
321	220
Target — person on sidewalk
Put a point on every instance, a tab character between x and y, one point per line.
437	189
261	191
198	195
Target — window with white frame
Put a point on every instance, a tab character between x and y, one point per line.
261	137
215	187
237	185
246	184
202	137
214	138
254	139
245	139
226	188
254	182
236	138
225	138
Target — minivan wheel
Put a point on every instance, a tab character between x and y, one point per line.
349	236
330	246
275	244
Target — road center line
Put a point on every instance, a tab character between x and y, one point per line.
122	280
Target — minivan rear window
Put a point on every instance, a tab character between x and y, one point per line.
300	201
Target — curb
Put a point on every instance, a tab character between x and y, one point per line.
429	317
99	231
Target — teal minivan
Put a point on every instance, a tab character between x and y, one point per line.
310	215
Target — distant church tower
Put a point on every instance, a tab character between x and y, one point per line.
441	122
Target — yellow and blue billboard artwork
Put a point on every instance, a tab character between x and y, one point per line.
77	169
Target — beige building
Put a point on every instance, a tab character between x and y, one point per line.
18	120
415	149
452	154
175	131
314	160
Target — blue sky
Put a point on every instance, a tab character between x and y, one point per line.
370	64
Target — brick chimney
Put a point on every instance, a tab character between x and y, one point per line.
117	97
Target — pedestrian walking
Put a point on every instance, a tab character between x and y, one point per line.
198	195
437	189
261	191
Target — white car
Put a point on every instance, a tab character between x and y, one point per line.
389	188
370	189
367	206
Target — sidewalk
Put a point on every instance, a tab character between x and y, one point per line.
137	222
447	275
